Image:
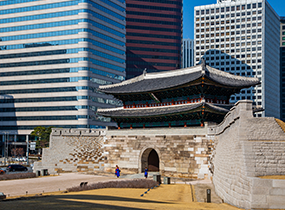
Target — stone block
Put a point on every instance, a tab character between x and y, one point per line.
277	191
276	202
90	132
261	186
56	132
278	183
259	199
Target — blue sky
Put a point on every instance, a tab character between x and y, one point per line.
188	13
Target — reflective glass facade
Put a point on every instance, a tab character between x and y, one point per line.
242	37
53	57
187	53
153	39
282	68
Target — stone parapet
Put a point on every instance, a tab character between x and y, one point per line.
241	108
77	132
159	131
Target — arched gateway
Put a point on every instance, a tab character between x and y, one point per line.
150	160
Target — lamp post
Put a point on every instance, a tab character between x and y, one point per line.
6	139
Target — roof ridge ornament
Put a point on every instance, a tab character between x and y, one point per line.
144	71
203	62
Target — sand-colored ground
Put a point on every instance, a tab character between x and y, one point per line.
273	177
178	196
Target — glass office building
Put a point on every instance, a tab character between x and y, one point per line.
282	67
187	53
242	37
153	36
53	56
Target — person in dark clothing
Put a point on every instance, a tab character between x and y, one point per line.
117	171
145	172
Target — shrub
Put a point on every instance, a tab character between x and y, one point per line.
135	183
17	176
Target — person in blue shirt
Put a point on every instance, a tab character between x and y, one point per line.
117	171
145	172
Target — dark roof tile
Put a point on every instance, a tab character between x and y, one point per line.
168	79
163	110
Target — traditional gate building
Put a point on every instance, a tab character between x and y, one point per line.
163	122
185	97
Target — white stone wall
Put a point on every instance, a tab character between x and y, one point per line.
183	152
245	148
183	156
73	150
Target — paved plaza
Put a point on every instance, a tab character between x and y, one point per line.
48	183
174	196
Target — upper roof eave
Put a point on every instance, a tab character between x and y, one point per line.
151	82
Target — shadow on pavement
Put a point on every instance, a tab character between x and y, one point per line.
104	197
71	202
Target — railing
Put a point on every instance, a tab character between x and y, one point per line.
180	102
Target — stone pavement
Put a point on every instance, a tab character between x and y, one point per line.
48	183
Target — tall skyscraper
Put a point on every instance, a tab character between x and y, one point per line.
154	33
54	54
242	37
187	53
282	67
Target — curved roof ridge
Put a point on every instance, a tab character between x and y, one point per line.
126	82
233	76
109	109
176	72
155	75
148	82
151	107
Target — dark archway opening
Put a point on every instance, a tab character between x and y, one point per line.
153	161
150	160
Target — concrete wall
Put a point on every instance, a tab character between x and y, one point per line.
73	150
245	148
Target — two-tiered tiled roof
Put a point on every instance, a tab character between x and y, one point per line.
176	97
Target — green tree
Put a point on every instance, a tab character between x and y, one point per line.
42	133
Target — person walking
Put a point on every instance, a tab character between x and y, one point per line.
117	171
145	172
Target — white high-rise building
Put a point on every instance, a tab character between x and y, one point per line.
54	54
187	53
242	37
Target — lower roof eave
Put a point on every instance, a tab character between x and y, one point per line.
164	110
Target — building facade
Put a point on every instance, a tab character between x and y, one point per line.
187	53
54	54
242	37
282	68
153	36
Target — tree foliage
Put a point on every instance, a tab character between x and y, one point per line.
42	133
17	151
